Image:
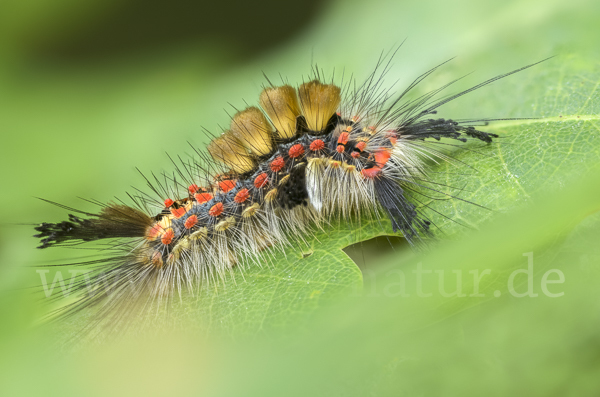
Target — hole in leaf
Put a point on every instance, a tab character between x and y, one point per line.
377	251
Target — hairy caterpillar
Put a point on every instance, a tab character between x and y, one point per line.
308	155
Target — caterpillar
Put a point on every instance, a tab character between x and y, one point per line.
305	156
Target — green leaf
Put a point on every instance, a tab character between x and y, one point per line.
283	291
532	155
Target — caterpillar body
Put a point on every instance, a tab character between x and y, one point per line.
307	155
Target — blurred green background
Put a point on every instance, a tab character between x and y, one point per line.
90	90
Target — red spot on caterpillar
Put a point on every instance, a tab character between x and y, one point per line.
340	149
227	185
296	151
202	198
167	237
168	203
355	154
343	139
179	212
261	180
382	156
392	136
193	188
361	145
154	232
317	144
277	164
371	173
216	209
241	196
191	222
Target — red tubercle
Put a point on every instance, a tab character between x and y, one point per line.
277	164
343	139
216	209
296	151
241	196
202	198
317	144
340	149
261	180
193	188
382	156
167	236
392	136
227	185
168	203
355	154
179	212
361	145
154	232
191	222
370	173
